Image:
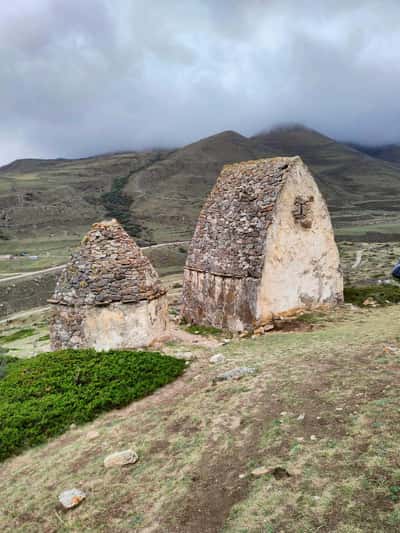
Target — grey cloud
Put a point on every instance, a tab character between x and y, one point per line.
80	78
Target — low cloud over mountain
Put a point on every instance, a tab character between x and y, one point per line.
79	78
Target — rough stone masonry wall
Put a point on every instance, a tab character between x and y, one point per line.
109	295
222	302
302	265
114	326
226	256
230	233
108	267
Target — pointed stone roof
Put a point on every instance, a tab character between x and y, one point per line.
108	267
229	239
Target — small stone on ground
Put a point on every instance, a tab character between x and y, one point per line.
217	358
235	373
260	471
71	498
126	457
187	356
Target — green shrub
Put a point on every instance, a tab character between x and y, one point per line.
117	204
203	330
382	294
5	360
21	334
41	397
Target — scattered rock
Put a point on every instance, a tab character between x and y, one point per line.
187	356
301	417
260	471
235	422
73	426
235	373
259	331
217	358
313	437
126	457
92	435
370	302
71	498
268	327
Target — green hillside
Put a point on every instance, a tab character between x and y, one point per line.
157	195
360	190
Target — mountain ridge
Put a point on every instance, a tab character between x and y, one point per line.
163	190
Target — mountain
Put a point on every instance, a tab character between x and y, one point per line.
44	197
352	182
388	152
158	194
168	195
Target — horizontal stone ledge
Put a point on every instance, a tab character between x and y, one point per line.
221	275
106	302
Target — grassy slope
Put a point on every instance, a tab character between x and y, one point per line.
61	197
198	443
359	189
168	195
389	152
42	396
167	189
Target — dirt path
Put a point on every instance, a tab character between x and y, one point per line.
24	314
60	267
357	262
29	274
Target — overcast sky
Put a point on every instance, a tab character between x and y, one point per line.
80	77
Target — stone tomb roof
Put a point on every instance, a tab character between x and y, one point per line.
229	239
108	267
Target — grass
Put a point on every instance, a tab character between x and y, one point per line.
17	335
41	397
5	360
203	330
196	459
381	294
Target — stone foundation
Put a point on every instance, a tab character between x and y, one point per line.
218	301
115	326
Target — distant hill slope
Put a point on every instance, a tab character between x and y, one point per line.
352	182
389	152
158	194
168	195
42	197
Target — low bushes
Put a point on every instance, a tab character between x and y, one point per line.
381	294
203	330
21	334
41	397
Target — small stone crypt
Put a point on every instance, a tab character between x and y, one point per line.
109	296
263	246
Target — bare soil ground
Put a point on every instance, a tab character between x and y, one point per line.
323	407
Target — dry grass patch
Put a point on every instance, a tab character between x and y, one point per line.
198	443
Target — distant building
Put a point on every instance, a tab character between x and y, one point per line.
109	295
263	246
